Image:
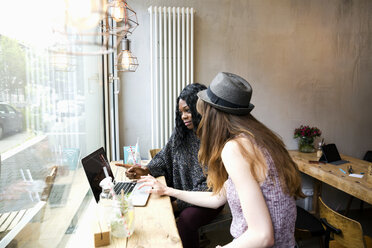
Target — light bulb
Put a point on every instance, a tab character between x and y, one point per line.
84	14
126	60
117	11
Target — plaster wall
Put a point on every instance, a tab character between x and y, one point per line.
309	62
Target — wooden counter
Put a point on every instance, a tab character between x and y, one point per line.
332	175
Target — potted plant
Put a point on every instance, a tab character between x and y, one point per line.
306	136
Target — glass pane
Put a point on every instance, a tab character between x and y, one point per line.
51	115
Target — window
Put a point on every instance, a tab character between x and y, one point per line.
51	115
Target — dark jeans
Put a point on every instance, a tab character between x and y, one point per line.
189	221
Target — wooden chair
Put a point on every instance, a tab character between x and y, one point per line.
308	226
153	152
344	231
368	156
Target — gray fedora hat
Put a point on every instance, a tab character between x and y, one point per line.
229	93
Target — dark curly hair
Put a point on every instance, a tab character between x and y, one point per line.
188	94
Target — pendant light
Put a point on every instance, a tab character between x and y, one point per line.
126	61
124	16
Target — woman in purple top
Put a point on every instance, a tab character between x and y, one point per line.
248	166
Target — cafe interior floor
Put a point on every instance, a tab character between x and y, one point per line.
222	235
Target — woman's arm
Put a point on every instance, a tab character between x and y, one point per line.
202	199
260	231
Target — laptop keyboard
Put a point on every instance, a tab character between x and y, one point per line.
126	186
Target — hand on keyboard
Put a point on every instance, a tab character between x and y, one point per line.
140	195
143	189
155	186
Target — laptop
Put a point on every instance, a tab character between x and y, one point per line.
93	166
331	155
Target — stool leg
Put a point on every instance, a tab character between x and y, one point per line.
321	242
349	205
203	240
361	206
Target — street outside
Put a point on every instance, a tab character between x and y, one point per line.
66	126
34	153
13	140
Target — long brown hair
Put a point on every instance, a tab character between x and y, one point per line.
216	128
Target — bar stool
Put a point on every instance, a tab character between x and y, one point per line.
308	226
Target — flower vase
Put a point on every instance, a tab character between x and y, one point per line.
306	144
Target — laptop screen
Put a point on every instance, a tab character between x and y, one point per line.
331	153
93	166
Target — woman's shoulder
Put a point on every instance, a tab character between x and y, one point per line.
233	145
230	146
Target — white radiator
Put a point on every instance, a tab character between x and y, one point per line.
171	55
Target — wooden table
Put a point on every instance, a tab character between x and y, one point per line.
154	226
332	175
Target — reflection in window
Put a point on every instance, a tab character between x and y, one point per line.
51	115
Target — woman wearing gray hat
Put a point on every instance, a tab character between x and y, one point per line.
248	166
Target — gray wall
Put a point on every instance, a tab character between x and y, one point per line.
309	62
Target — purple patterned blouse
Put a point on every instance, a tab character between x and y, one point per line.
281	206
